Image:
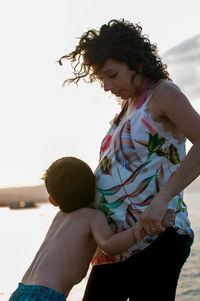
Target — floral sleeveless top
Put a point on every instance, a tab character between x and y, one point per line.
137	157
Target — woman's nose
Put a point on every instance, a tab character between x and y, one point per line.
107	85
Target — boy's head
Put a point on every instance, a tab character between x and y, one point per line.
70	182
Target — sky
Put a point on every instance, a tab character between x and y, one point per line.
183	61
39	120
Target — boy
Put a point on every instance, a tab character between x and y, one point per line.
65	254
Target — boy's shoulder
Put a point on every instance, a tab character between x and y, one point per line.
85	213
90	213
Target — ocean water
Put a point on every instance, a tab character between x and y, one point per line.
22	231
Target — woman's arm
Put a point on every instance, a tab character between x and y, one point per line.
175	106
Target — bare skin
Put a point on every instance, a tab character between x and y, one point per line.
171	108
65	254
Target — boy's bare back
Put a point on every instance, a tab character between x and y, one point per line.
66	252
64	256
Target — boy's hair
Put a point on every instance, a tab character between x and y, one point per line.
71	183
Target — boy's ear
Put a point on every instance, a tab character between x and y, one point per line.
52	201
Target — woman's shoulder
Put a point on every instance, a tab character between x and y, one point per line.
164	86
166	94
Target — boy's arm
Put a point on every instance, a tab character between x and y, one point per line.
111	244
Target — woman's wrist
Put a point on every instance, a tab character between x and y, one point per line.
162	196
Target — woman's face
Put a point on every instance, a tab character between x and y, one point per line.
116	77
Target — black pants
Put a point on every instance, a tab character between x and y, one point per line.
151	274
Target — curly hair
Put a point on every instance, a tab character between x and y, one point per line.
119	40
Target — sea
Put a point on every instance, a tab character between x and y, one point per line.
23	230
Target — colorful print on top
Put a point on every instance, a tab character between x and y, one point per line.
137	158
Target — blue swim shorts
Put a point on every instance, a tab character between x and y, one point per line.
36	292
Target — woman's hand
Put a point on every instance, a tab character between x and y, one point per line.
151	219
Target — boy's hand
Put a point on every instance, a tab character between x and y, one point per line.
141	229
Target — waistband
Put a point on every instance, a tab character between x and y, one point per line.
41	290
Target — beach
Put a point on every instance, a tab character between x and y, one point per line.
23	230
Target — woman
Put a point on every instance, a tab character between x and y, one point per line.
143	168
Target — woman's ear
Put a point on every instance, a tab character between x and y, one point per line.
140	67
52	201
